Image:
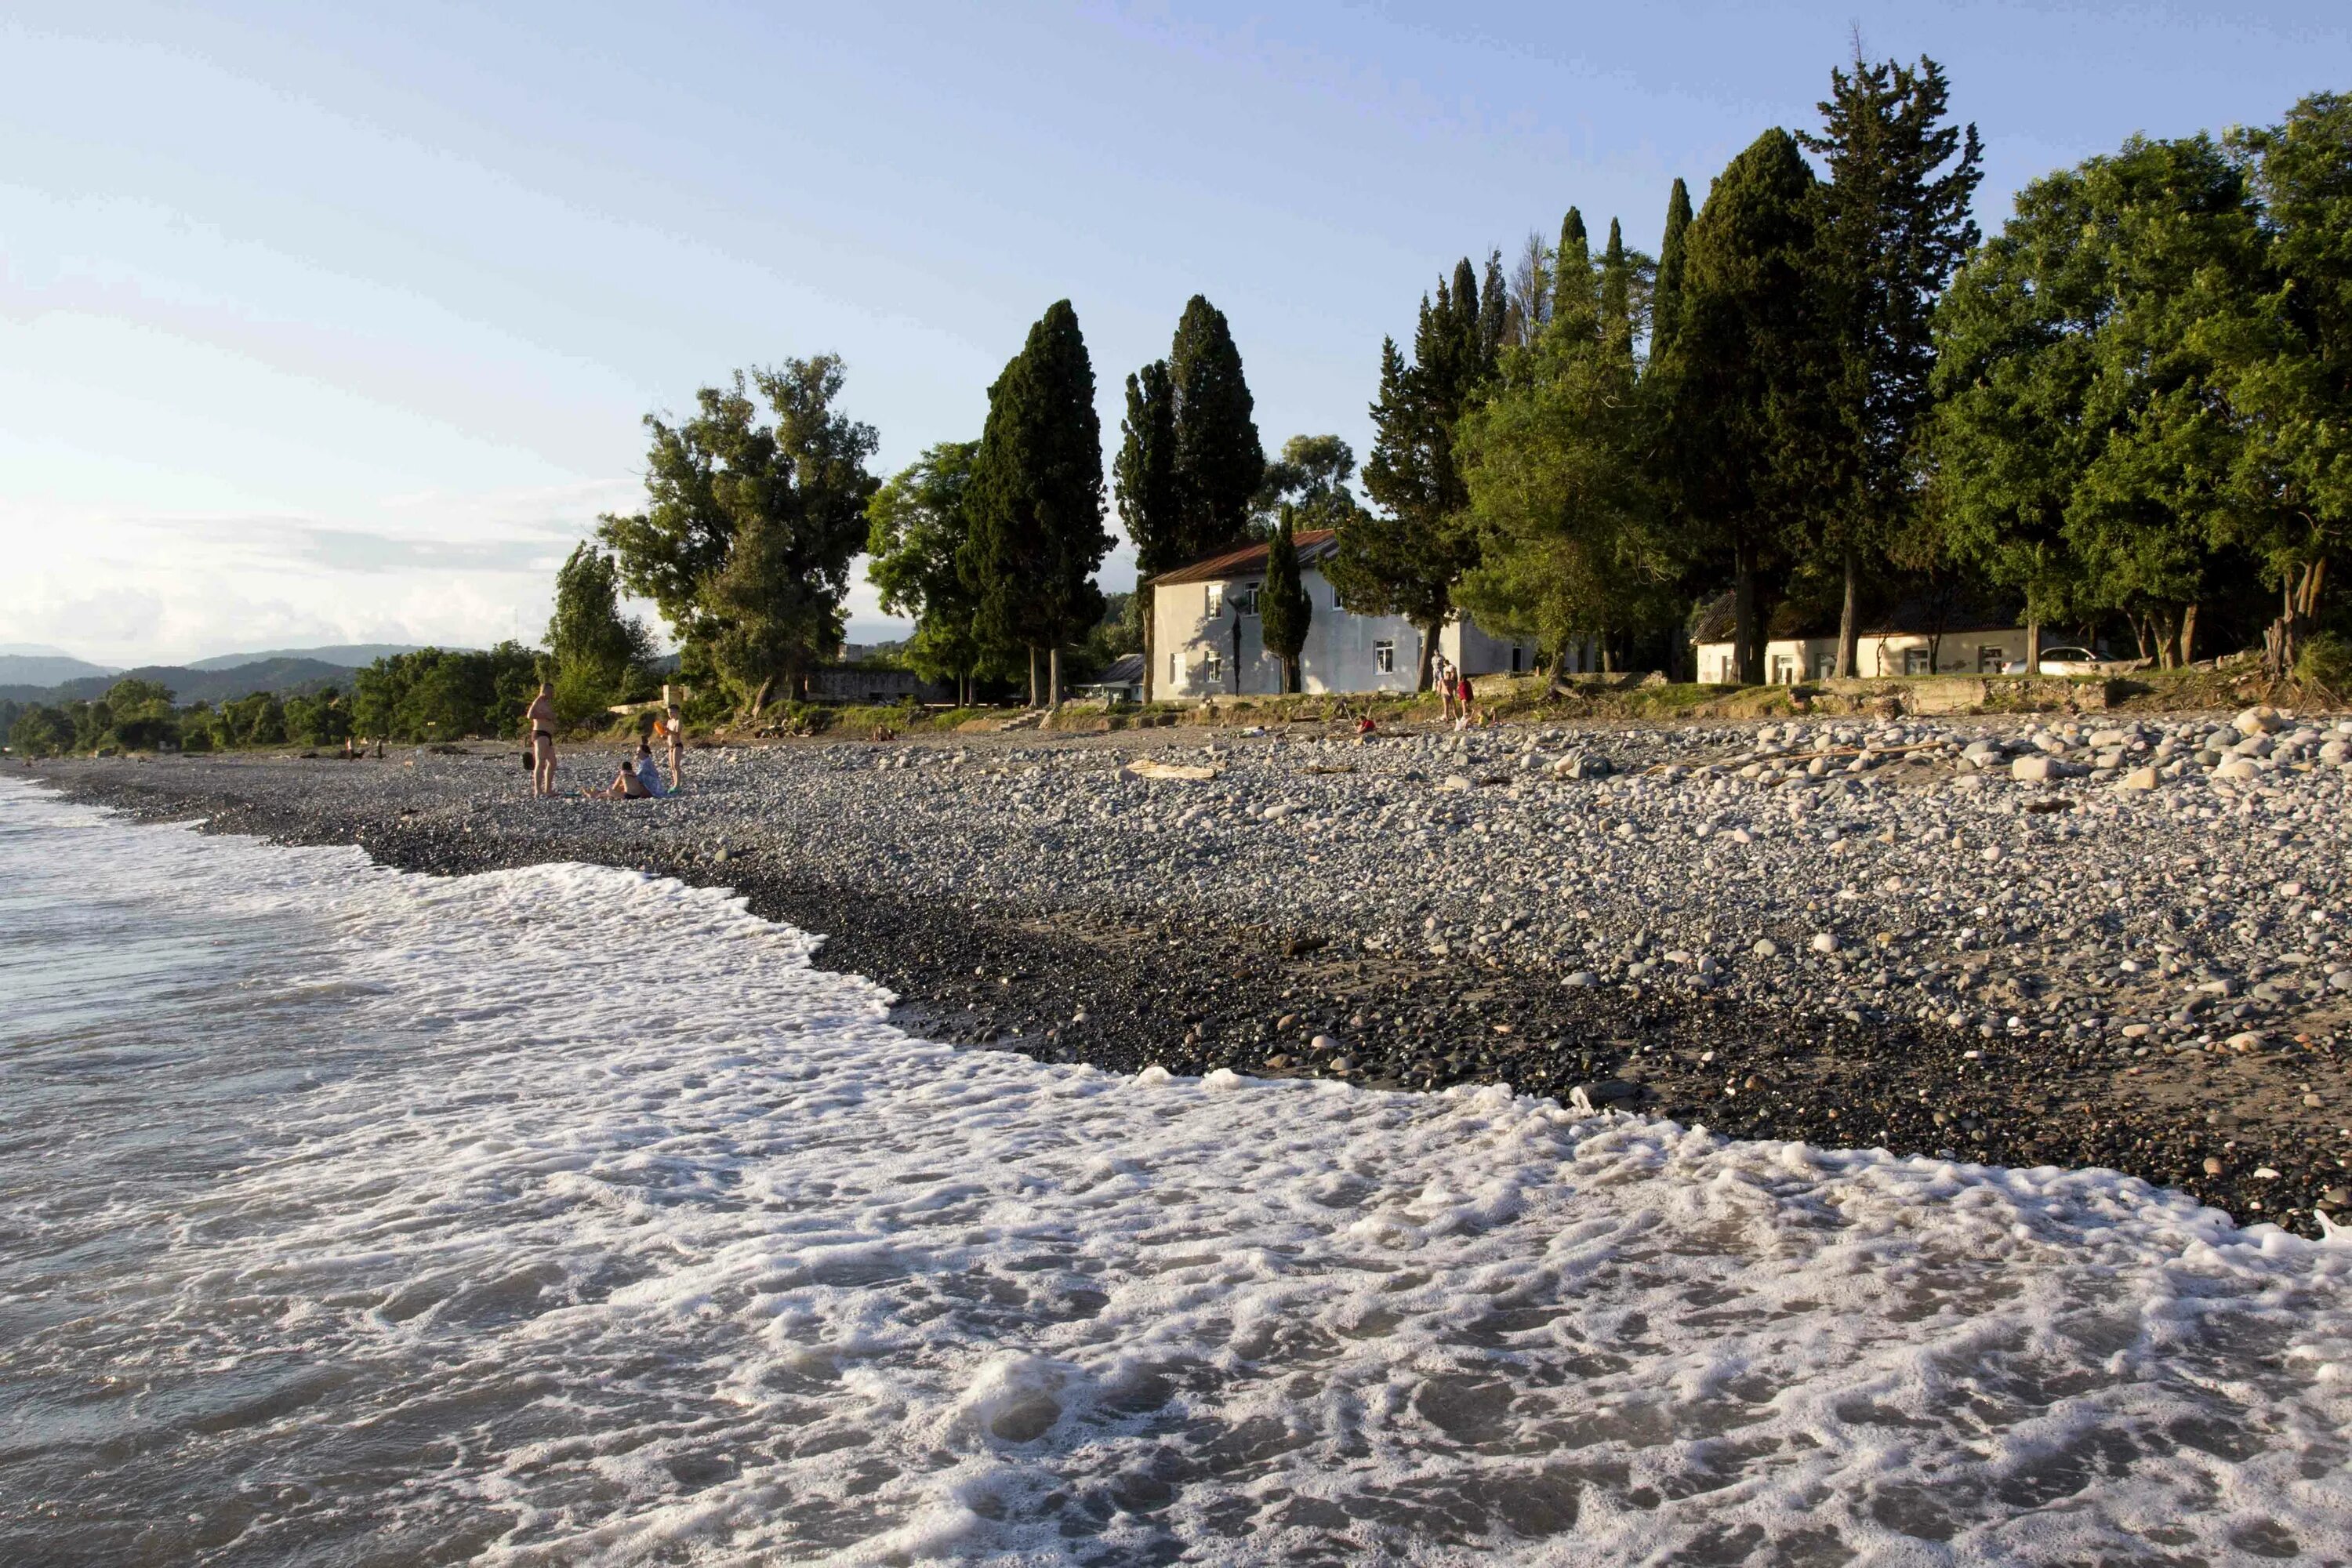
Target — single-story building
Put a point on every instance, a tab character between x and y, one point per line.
1970	650
1207	641
1121	681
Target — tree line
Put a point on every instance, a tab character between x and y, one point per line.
1827	397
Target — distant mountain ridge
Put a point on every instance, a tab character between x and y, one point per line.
286	677
349	655
46	669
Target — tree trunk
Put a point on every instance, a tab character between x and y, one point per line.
1033	675
1746	647
1850	622
2168	639
759	698
2187	636
1151	646
2033	647
1053	677
1290	675
1421	681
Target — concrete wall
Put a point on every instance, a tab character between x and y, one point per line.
1788	660
1207	641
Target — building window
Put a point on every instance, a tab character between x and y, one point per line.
1245	600
1175	669
1217	599
1515	658
1914	662
1784	670
1990	660
1334	600
1213	669
1825	666
1384	657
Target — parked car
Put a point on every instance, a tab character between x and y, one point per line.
2060	661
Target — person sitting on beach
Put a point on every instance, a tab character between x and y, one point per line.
648	774
626	785
540	715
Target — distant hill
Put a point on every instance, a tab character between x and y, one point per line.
349	655
46	669
286	677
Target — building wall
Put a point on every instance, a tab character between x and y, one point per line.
1788	660
1345	651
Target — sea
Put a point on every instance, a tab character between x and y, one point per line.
569	1215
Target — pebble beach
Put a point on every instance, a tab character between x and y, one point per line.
2070	940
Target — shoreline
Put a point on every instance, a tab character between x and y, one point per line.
1076	975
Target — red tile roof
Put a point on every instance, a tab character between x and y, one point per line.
1246	561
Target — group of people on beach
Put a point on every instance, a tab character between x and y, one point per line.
638	778
1459	701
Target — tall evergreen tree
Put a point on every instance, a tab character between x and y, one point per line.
1037	501
1284	611
1744	387
1576	298
1894	223
1617	296
1149	500
1493	311
1407	559
1665	300
1218	457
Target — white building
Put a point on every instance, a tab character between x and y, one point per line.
1207	641
1962	650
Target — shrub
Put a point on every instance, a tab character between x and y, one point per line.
2324	661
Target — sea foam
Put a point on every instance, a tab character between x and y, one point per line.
578	1218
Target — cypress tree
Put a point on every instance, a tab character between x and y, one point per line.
1574	299
1218	458
1494	312
1745	382
1408	559
1283	612
1149	502
1036	501
1616	296
1894	223
1665	300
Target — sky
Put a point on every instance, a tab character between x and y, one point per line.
319	326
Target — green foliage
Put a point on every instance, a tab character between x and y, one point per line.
1892	227
439	694
1573	541
2325	661
2083	440
1036	500
1665	305
746	542
1406	559
40	731
916	525
1218	459
597	649
1144	473
1744	384
1284	611
2289	374
138	716
1310	480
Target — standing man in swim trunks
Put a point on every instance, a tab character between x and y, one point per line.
540	715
